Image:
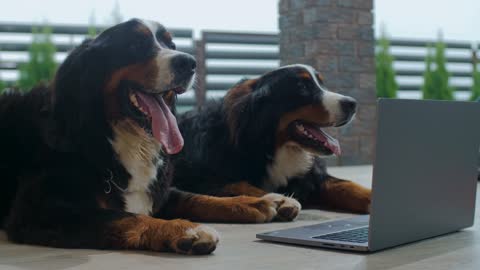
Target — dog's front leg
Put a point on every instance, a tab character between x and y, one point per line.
240	188
343	195
69	226
238	209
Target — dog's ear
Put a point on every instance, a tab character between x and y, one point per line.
78	96
245	105
251	111
236	105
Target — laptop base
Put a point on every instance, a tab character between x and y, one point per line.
309	235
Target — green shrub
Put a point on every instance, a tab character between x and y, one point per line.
476	82
435	85
2	86
427	88
41	65
386	84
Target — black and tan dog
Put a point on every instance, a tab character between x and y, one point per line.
85	163
267	135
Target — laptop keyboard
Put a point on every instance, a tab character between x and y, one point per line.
359	235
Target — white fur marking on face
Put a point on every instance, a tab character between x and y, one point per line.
331	103
164	59
331	100
290	160
192	81
153	26
137	151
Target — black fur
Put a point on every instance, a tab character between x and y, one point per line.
56	155
211	159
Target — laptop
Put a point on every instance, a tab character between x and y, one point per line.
424	179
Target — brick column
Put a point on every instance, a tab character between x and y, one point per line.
201	73
336	37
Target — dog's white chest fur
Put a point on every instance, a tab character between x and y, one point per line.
140	155
290	160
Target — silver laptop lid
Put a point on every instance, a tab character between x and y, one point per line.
424	177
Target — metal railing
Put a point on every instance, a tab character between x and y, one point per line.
225	57
460	54
64	30
221	66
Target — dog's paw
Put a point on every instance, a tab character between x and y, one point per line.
366	203
360	201
198	240
347	196
246	209
286	208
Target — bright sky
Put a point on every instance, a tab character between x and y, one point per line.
459	19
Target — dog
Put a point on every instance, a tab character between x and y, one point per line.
268	135
85	162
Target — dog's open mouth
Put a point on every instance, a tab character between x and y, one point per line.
312	136
162	122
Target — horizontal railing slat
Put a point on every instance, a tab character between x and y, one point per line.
418	87
241	38
242	55
23	47
219	85
10	65
189	97
232	70
410	72
419	58
74	29
181	100
425	43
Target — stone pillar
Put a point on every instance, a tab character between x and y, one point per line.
336	37
201	76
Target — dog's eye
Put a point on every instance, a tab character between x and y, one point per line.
319	77
165	38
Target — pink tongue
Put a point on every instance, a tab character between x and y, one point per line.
164	124
328	141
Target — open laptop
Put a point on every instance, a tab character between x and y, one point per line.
424	179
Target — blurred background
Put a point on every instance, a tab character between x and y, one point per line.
364	48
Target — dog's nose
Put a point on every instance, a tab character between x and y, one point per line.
184	64
349	105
